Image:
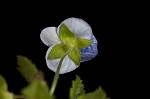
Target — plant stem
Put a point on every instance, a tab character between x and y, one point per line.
55	80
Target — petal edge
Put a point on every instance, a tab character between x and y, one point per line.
49	36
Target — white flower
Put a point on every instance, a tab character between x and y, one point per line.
50	37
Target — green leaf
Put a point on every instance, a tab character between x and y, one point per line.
66	36
83	43
38	89
77	88
3	84
57	51
75	56
26	68
5	95
97	94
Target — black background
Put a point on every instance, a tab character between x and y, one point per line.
21	25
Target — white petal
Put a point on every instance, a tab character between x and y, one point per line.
79	27
49	36
67	64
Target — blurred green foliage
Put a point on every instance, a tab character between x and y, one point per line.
38	88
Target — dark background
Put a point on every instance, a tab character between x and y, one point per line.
21	26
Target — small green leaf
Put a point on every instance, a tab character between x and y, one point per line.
5	95
83	43
66	36
57	51
38	89
97	94
26	68
77	88
75	56
3	84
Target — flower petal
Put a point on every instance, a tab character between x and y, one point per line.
79	27
90	52
67	65
49	36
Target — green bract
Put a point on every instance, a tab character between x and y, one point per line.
58	51
66	36
69	42
83	43
75	56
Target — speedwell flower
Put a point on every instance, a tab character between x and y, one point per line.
73	35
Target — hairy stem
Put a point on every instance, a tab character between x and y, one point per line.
55	80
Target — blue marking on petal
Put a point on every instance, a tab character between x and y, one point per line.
90	52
